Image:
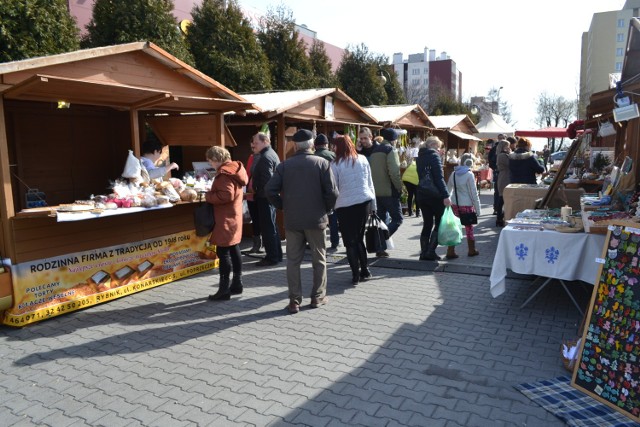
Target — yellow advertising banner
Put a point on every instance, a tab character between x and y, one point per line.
49	287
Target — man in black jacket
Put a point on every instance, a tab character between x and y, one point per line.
262	173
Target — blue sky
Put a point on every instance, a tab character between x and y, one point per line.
526	47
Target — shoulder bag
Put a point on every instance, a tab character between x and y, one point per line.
468	218
426	186
203	219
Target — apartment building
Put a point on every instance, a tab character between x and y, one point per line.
423	76
603	50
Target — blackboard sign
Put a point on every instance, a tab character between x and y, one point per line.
608	365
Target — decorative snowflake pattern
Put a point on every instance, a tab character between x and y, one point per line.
521	251
551	255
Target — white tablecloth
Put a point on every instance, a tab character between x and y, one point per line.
566	256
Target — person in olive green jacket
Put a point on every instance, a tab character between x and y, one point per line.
385	171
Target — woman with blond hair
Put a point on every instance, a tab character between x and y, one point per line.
432	206
226	197
356	198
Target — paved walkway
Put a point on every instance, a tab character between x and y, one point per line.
417	345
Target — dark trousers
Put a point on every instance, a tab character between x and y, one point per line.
500	209
255	219
432	211
390	205
352	221
230	259
496	193
411	195
269	230
334	231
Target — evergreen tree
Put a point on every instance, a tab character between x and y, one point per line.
358	76
289	64
125	21
321	66
30	28
224	47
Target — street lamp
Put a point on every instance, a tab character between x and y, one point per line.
382	77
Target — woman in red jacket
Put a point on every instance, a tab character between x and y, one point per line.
226	197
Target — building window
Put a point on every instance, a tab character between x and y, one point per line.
415	71
416	82
618	66
426	71
620	23
426	82
620	37
619	51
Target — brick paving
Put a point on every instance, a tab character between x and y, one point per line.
421	344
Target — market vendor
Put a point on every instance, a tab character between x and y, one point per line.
151	152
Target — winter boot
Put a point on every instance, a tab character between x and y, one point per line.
365	274
236	284
451	252
430	254
223	293
354	263
472	248
257	244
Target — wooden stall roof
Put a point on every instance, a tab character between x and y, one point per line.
308	104
461	124
136	75
407	115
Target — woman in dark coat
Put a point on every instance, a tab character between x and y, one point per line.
432	208
226	197
523	164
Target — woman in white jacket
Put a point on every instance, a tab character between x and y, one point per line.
356	199
465	184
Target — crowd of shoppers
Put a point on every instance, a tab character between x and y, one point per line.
334	183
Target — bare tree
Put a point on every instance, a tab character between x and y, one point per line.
555	111
418	94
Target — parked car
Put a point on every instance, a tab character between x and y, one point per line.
558	155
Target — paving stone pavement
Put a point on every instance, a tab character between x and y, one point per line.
421	344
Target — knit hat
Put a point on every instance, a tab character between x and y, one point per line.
302	135
389	134
466	160
321	139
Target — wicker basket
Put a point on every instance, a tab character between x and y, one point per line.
568	364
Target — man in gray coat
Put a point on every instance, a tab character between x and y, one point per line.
304	188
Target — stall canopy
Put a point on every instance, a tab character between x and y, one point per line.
548	132
410	116
491	125
459	125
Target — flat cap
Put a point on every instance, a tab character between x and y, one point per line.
303	135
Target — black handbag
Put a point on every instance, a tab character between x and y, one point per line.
426	186
203	219
469	218
375	237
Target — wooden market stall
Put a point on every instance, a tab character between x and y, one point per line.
456	131
411	118
323	110
67	122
